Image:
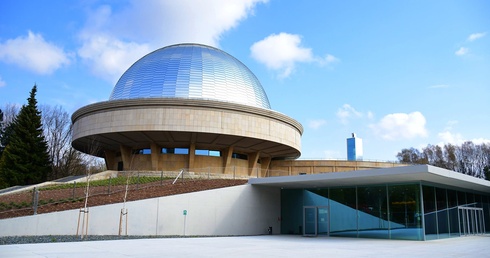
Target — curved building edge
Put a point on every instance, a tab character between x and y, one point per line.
246	137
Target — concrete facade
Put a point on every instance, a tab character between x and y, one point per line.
239	210
114	129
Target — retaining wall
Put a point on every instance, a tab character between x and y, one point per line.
237	210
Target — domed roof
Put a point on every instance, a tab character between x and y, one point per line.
191	71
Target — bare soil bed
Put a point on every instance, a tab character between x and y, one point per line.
66	199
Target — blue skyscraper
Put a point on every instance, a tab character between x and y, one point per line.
354	148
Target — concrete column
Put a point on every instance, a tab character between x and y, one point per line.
110	160
126	156
265	164
252	162
155	154
227	154
192	154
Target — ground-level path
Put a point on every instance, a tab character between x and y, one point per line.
257	246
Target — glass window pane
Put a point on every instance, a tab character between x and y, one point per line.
430	212
201	152
181	151
452	200
486	212
373	212
405	212
317	197
442	213
462	198
470	199
291	211
214	153
343	213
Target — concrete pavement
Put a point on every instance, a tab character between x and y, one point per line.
256	246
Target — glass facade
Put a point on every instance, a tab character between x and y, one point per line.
412	211
191	71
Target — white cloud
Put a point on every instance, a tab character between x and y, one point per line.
143	26
370	115
481	141
329	59
33	53
401	126
347	111
450	124
476	36
317	123
458	139
2	82
281	52
449	137
109	57
462	51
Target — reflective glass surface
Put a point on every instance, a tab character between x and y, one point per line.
405	212
373	212
411	211
191	71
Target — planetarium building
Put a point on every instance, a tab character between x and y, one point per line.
187	106
195	107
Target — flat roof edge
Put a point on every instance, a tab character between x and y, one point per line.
415	173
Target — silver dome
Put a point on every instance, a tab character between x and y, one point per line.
191	71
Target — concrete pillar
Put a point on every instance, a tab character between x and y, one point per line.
126	157
155	154
265	164
227	154
252	162
192	155
110	160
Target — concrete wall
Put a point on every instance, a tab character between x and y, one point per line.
168	122
238	210
295	167
203	164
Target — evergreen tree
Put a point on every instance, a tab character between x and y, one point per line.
25	159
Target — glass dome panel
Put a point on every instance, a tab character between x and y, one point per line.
191	71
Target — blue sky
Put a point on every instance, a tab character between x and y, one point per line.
400	74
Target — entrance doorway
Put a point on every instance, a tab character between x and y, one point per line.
315	221
471	221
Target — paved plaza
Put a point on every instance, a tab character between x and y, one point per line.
256	246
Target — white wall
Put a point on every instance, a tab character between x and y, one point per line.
238	210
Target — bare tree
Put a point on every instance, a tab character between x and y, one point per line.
57	132
412	156
66	161
468	158
450	157
8	113
438	156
